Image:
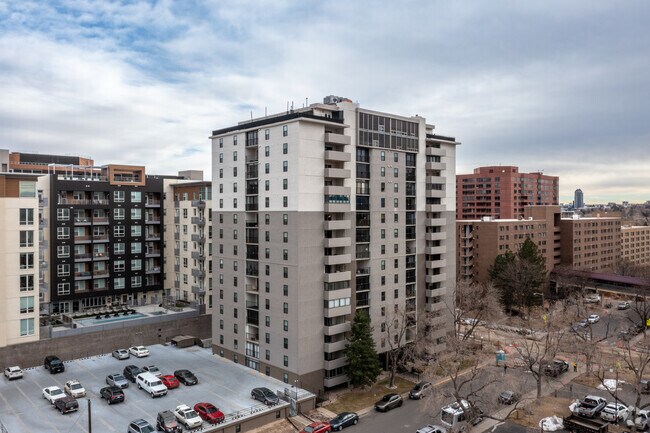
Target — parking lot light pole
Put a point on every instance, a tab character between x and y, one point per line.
90	423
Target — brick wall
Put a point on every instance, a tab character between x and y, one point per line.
105	341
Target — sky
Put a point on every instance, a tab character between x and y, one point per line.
557	86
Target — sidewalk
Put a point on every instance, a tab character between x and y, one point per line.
548	387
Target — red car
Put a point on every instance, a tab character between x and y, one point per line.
170	381
317	427
209	412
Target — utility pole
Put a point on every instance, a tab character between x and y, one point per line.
90	423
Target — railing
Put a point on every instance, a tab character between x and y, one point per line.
152	202
100	220
83	201
100	237
152	270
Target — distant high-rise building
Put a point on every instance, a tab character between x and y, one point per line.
578	199
322	211
503	192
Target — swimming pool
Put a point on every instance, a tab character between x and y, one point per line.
93	321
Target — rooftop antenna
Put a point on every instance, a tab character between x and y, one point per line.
306	102
265	112
287	107
251	114
292	106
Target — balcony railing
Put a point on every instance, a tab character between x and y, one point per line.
152	203
153	270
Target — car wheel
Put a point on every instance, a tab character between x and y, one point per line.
152	396
400	404
139	387
355	421
340	428
108	400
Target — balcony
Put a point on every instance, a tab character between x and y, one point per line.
436	221
338	225
151	202
436	193
85	275
435	151
100	221
102	273
337	294
199	221
335	277
152	236
177	236
339	259
199	239
83	257
436	263
335	347
337	173
251	171
198	290
438	236
100	256
152	220
437	306
439	278
338	190
331	382
434	293
435	250
198	273
251	207
253	305
253	336
337	207
82	221
337	242
252	288
435	208
253	318
198	255
332	138
177	268
177	219
100	238
198	204
339	362
435	166
338	329
152	253
82	239
152	270
436	179
252	269
334	155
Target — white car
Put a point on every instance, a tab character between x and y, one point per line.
14	372
593	318
53	393
187	416
121	354
139	351
614	412
74	388
153	370
592	299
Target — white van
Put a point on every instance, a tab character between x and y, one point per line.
455	417
151	384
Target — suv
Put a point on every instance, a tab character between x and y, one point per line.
140	426
388	402
74	388
265	395
556	368
420	390
12	373
53	364
112	394
131	372
151	384
166	422
187	416
66	404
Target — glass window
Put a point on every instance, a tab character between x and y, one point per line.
26	189
136	264
285	130
26	283
136	248
26	238
285	148
136	214
136	197
27	304
26	217
136	231
27	259
26	327
118	213
285	166
118	196
62	214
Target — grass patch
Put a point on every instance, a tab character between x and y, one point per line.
530	415
358	399
445	366
587	379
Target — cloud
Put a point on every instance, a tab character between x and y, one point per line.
540	84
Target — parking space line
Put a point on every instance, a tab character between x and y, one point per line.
107	425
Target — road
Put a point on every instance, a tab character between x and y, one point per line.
415	414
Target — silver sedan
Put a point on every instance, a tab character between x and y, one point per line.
117	380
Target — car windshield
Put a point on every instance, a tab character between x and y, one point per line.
76	386
147	429
56	392
387	398
55	362
190	414
156	383
118	377
418	387
153	368
168	417
447	417
308	429
268	393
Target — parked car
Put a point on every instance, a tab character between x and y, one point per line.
317	427
644	385
420	390
53	364
642	419
209	413
388	402
614	412
151	384
623	305
583	323
53	393
166	422
131	372
186	377
117	380
593	318
509	397
14	372
66	404
590	406
592	299
265	395
187	416
170	381
556	368
139	351
344	419
140	426
112	394
74	388
432	428
152	369
121	354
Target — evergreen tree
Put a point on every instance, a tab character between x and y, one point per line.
363	361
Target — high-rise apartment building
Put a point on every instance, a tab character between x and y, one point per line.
591	243
19	265
320	212
503	192
635	244
578	199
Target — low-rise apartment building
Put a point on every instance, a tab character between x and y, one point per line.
635	244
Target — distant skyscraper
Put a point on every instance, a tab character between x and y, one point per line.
578	199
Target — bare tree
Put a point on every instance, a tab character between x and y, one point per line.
399	331
473	306
641	312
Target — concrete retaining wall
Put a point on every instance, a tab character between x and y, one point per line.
106	338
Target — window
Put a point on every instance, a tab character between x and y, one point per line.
285	325
267	321
395	202
267	168
63	288
221	142
285	166
26	327
285	130
267	202
396	187
63	270
63	214
136	231
26	217
136	214
285	309
119	283
285	183
136	281
285	148
63	232
119	265
267	134
136	248
382	155
136	197
382	171
267	150
286	361
26	238
285	290
118	231
118	196
285	219
395	172
118	213
396	157
382	202
285	201
234	155
26	304
26	189
395	233
267	221
27	260
26	283
267	354
63	251
234	140
221	157
267	185
285	254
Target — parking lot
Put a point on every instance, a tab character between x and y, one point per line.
223	383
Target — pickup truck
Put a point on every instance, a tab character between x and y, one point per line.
187	416
576	424
556	368
642	420
590	406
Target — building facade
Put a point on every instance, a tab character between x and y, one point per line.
591	243
578	199
635	244
502	192
323	211
19	264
